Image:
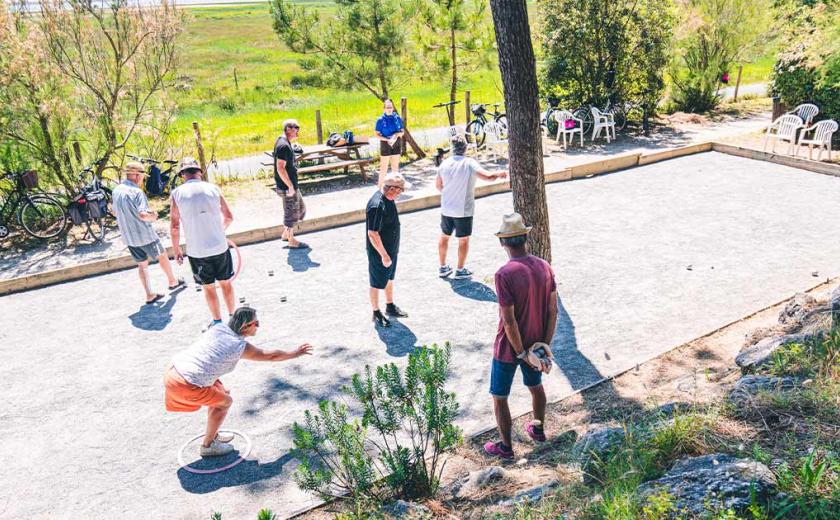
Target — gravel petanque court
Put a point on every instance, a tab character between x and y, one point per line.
645	259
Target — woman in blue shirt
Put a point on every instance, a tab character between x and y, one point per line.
389	130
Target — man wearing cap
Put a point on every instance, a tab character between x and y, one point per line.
456	182
205	215
383	245
527	296
286	180
134	219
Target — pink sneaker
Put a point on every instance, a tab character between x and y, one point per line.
538	436
497	449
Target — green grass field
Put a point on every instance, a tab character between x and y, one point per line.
236	122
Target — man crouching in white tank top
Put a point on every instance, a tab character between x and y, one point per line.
205	215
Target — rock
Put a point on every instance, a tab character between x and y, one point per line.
718	480
668	410
596	445
478	480
755	355
835	306
403	509
531	495
796	309
748	387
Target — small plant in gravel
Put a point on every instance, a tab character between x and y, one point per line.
406	425
810	488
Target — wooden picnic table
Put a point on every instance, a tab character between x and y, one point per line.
348	156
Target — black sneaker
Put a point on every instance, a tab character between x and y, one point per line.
393	310
380	319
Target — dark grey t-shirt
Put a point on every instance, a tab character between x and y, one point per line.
283	150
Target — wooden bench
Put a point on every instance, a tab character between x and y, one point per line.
344	165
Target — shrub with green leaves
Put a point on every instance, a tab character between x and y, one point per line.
406	425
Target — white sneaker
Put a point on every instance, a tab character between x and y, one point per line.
216	449
224	437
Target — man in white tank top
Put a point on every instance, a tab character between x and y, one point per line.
206	215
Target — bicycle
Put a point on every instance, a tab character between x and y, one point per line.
621	112
159	182
450	114
547	122
40	215
475	128
91	205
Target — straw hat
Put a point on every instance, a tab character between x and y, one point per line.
188	163
394	179
512	226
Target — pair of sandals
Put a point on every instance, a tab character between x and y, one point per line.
159	297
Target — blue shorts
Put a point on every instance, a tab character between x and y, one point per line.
501	377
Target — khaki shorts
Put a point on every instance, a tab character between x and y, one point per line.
182	396
294	209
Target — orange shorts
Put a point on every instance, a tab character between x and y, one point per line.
182	396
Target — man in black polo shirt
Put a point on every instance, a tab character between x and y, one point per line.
383	245
286	179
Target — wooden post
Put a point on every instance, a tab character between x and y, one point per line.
778	109
200	148
738	83
404	115
467	107
318	129
77	152
235	79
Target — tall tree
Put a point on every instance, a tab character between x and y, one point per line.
361	44
519	78
456	37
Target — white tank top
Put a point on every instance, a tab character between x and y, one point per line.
200	208
212	356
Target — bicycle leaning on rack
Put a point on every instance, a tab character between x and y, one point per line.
39	214
547	122
91	206
475	128
621	112
158	181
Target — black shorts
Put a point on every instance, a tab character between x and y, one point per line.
461	225
386	149
378	273
212	268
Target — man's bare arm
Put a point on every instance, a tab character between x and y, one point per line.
175	229
512	329
551	321
284	176
227	215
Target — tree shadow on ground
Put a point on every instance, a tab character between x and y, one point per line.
299	260
578	370
247	472
399	340
472	290
153	316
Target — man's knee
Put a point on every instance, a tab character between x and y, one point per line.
537	390
226	403
225	285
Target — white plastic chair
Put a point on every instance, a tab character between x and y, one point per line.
495	143
806	112
783	128
602	121
821	139
561	116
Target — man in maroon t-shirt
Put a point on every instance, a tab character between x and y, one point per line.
527	296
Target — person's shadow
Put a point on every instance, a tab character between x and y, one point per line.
399	340
247	472
473	290
300	261
154	316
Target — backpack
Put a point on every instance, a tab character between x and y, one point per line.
154	182
348	136
335	139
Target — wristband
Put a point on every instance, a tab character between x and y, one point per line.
522	355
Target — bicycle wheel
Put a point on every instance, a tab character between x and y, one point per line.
96	228
475	133
502	121
584	114
42	217
620	117
550	123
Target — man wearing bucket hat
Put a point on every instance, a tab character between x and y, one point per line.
383	245
527	295
205	215
135	221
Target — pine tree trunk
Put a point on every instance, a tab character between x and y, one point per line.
519	78
453	88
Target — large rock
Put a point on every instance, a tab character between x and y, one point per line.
797	308
748	387
717	481
405	510
756	355
594	446
478	480
531	495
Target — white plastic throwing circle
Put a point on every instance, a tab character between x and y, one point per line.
226	467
